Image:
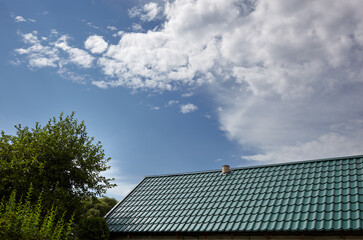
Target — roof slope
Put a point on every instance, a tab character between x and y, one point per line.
304	196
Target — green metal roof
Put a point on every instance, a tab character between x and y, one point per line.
321	195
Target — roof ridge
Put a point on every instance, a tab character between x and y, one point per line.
258	166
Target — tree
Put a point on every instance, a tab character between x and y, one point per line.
92	224
98	207
60	160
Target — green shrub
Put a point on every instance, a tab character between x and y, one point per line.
23	220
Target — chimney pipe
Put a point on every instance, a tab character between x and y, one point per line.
226	169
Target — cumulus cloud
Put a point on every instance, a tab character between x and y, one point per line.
22	19
151	11
327	145
38	55
188	108
155	108
171	103
49	52
183	53
295	129
19	19
287	75
96	44
294	64
276	69
207	116
112	28
136	27
189	94
76	56
118	34
146	13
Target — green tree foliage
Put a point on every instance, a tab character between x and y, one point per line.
61	161
27	220
98	207
92	225
93	228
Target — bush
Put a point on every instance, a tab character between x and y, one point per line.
24	220
93	228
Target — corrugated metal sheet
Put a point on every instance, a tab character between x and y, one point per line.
305	196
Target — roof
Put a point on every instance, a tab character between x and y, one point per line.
319	195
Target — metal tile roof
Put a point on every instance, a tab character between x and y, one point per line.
303	196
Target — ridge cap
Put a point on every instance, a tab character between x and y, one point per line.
257	166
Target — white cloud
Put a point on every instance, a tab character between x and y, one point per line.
296	61
118	34
171	103
189	94
134	12
188	108
155	108
76	55
90	24
47	52
95	44
136	27
100	84
207	116
38	55
53	32
19	19
22	19
147	13
287	75
75	77
296	129
112	28
327	145
15	62
182	53
40	62
151	11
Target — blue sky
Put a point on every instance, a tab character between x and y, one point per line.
186	86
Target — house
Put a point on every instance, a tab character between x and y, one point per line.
319	199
